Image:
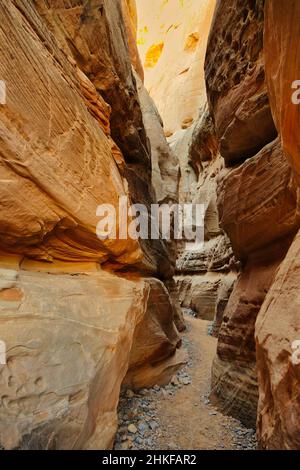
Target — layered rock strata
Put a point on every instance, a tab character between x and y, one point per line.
73	137
257	199
277	326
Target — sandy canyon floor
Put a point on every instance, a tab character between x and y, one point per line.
180	415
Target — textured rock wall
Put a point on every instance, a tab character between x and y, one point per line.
204	277
235	78
257	199
90	33
73	137
277	325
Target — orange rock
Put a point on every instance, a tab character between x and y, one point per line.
258	202
282	55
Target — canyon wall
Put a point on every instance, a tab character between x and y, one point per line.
73	306
172	37
257	203
278	323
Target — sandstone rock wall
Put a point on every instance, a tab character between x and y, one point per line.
90	33
277	325
73	137
235	79
204	277
257	199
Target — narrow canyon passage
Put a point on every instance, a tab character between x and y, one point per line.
181	415
114	335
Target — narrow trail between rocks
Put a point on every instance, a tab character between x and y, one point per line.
180	415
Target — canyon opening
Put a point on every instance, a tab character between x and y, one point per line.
149	227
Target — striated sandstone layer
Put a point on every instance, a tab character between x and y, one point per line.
234	379
282	56
49	199
72	138
277	325
257	199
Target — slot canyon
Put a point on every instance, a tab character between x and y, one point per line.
135	343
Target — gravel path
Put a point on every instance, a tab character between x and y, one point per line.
180	415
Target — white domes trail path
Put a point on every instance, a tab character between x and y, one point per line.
180	415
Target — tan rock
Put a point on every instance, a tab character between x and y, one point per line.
172	45
202	293
165	166
101	51
216	255
70	339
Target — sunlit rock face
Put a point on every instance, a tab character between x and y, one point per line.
172	37
73	137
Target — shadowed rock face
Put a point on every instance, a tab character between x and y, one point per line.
93	34
277	325
72	137
257	199
235	80
234	378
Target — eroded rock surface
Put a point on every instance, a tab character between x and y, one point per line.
72	138
277	325
257	199
235	79
70	339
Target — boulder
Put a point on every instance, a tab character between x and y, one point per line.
69	339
